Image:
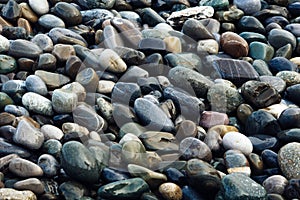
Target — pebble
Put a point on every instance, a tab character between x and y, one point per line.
236	162
24	168
52	80
290	77
248	6
211	118
37	103
50	21
158	141
8	64
4	44
237	141
234	45
32	184
68	13
72	190
275	184
191	25
24	48
194	148
11	10
9	193
43	41
36	85
279	64
64	101
260	50
49	165
292	93
39	7
278	38
288	159
170	191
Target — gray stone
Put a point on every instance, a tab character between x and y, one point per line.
24	168
289	160
32	184
49	165
37	103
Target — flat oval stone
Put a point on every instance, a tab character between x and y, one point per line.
43	41
190	80
66	36
252	37
248	6
16	110
170	191
68	13
154	120
293	28
79	163
24	168
211	118
270	158
72	190
7	64
278	38
36	84
261	122
234	45
250	23
194	148
32	184
236	162
288	159
4	44
130	189
37	103
155	141
49	165
28	136
239	186
64	101
275	184
279	64
39	7
50	21
262	142
24	48
237	141
290	118
111	37
196	30
260	94
52	80
9	193
51	132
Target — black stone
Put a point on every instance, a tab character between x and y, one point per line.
269	158
262	142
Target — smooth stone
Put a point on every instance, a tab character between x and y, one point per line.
262	142
24	168
293	28
111	61
86	116
52	80
52	147
290	77
250	23
36	84
279	64
203	177
236	71
11	10
228	98
16	110
173	44
64	101
51	132
39	7
292	93
152	116
170	191
37	103
66	36
222	129
253	37
234	45
151	17
8	148
275	184
261	67
49	21
236	162
123	114
68	13
111	38
72	190
43	41
90	4
24	48
152	45
282	21
49	165
6	118
194	148
260	94
9	193
5	100
158	141
211	118
174	175
256	164
73	65
237	141
131	127
188	60
15	89
208	45
125	93
279	38
259	50
110	175
133	17
7	64
216	4
134	152
292	189
105	87
4	44
289	118
294	8
32	184
276	82
261	122
189	193
243	112
125	189
130	56
28	13
196	30
211	24
190	80
270	159
63	52
79	163
248	6
13	33
239	186
285	51
28	136
288	159
46	62
155	34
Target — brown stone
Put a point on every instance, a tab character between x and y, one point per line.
27	13
234	45
26	25
6	118
25	64
170	191
63	52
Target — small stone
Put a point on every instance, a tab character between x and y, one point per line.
24	168
37	103
88	79
51	132
111	37
270	158
52	147
259	50
27	13
292	189
262	142
66	36
111	61
4	44
64	101
49	165
43	41
250	23
256	163
9	193
111	175
211	118
134	152
52	80
63	52
49	21
36	84
234	45
72	190
288	159
275	184
105	87
173	44
253	37
236	162
130	189
285	51
290	77
170	191
292	93
279	38
11	10
32	184
24	48
248	6
216	4
279	64
7	63
151	17
16	110
196	30
208	45
237	141
194	148
256	92
155	141
276	82
67	12
40	7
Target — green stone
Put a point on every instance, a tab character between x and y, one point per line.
7	64
216	4
126	189
253	37
285	51
5	100
259	50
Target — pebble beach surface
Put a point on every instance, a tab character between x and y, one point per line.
149	99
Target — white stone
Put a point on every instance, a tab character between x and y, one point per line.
40	7
37	103
51	132
209	45
4	44
105	86
111	61
237	141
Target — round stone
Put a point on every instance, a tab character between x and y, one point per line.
279	64
248	6
4	44
40	7
208	45
9	193
196	30
111	61
279	38
234	45
36	84
170	191
64	101
237	141
7	64
290	77
43	41
289	160
24	48
194	148
51	132
68	13
50	21
236	162
275	184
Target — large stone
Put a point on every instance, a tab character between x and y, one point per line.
24	168
289	160
9	193
37	103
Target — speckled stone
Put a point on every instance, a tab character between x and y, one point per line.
170	191
289	160
37	103
236	162
194	148
248	6
9	193
290	77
